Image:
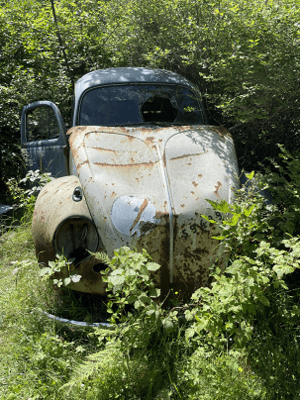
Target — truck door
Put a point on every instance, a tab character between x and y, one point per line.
43	138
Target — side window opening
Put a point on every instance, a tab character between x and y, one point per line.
41	124
158	109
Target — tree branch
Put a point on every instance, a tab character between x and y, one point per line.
60	41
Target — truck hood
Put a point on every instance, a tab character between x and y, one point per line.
146	187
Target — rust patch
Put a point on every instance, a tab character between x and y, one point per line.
103	149
220	130
146	227
149	140
195	184
147	165
199	175
130	138
184	128
113	194
192	192
80	165
141	210
182	205
160	214
164	159
216	192
188	155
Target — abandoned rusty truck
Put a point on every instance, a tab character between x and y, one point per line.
135	169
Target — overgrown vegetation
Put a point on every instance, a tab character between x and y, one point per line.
235	339
244	57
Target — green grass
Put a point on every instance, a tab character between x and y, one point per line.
44	360
37	356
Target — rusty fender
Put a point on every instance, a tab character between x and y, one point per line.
62	224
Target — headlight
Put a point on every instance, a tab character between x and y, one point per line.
75	238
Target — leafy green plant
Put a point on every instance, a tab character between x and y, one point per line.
209	375
60	265
254	304
259	257
23	192
129	280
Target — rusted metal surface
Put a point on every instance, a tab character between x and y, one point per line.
167	172
64	226
143	165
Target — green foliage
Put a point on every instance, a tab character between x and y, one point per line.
143	343
256	237
148	357
254	304
38	356
22	194
207	375
60	266
128	277
244	56
282	180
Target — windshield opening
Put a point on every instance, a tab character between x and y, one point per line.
139	104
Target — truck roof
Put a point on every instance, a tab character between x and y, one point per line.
128	75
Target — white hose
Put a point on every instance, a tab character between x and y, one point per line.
77	323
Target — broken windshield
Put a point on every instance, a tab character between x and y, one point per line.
138	104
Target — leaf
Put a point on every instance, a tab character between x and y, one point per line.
76	278
264	300
138	304
145	299
116	279
67	281
208	219
52	264
44	271
282	270
168	325
223	207
234	220
154	292
151	266
248	211
189	333
249	175
131	299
